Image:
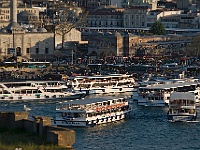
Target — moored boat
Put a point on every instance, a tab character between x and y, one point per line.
102	84
91	111
159	95
182	107
33	90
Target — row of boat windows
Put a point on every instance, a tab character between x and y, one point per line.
74	115
90	106
105	112
17	85
182	102
32	85
101	80
98	85
174	111
27	92
154	98
31	91
22	92
77	115
186	88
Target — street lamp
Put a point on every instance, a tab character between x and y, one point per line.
72	56
75	53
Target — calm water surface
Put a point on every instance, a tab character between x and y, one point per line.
145	129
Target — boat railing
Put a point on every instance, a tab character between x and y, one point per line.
188	107
108	107
175	106
183	113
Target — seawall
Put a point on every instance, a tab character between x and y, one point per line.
40	125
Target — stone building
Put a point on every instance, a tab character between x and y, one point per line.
25	43
136	16
125	44
101	45
105	17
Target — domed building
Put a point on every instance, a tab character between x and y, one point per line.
26	17
35	43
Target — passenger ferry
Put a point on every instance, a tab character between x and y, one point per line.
182	107
31	90
158	95
91	111
101	84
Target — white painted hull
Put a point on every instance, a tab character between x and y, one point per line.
42	96
84	122
143	102
182	118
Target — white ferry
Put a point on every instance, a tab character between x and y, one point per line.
31	90
91	111
158	95
182	107
101	84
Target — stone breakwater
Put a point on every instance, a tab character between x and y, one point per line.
40	125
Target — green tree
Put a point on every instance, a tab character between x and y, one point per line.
157	29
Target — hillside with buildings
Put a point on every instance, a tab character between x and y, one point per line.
31	30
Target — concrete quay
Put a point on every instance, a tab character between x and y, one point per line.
40	125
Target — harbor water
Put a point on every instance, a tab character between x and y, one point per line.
146	128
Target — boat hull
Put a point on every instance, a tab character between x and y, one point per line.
42	97
89	122
182	118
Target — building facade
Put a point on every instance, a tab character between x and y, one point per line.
105	17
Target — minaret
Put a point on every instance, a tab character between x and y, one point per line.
13	17
13	11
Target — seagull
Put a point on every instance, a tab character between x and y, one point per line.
26	108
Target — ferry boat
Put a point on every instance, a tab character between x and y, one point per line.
182	107
91	111
158	95
31	90
101	84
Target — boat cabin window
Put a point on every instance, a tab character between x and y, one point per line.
17	92
6	92
76	115
29	92
64	114
182	111
23	91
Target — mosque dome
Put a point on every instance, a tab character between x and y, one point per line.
13	26
84	32
41	29
26	16
3	30
108	33
90	32
26	30
117	34
99	33
33	30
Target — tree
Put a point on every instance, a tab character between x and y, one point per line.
157	29
70	18
194	48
